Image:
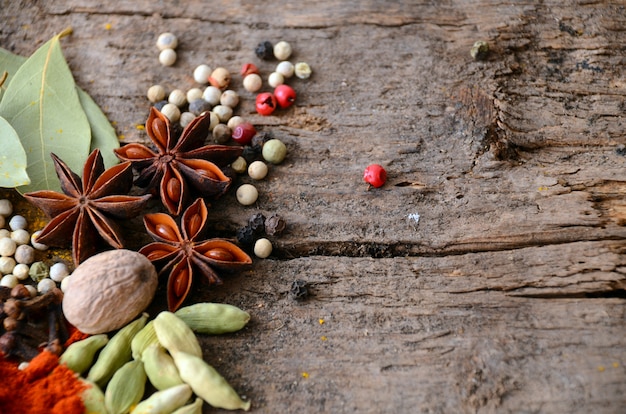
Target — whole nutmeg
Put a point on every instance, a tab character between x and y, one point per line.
109	290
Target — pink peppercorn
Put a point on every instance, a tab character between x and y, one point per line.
243	133
375	175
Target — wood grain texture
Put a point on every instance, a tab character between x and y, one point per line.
508	293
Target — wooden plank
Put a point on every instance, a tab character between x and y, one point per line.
506	295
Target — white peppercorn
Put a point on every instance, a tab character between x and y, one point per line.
282	50
222	133
32	290
35	244
21	271
234	121
65	283
59	271
156	93
6	207
171	111
178	98
223	112
240	165
17	222
285	68
302	70
167	41
247	194
229	98
257	170
212	95
20	236
9	281
275	79
186	118
25	254
193	94
214	121
262	248
7	264
7	247
45	285
252	82
167	57
220	78
201	74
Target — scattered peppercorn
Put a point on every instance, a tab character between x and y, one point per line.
159	105
243	133
229	98
275	225
201	74
235	121
479	50
285	95
256	222
257	170
193	94
265	103
171	111
264	50
285	68
303	70
178	98
245	235
252	82
275	79
259	140
212	95
167	57
299	289
282	50
221	133
375	175
167	41
247	194
263	248
220	78
156	93
274	151
223	112
199	106
248	69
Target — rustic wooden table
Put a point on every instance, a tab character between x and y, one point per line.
487	275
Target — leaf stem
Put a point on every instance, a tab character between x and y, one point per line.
3	78
66	32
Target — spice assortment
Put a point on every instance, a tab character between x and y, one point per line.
112	347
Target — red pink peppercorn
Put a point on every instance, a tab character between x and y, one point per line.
285	95
375	175
243	133
265	103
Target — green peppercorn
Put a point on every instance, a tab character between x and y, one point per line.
274	151
239	165
480	50
302	70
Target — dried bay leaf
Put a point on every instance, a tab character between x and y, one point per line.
12	158
42	105
10	63
103	135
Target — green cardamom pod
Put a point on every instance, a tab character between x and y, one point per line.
143	339
116	352
164	402
93	398
193	408
175	335
160	367
80	355
125	388
207	383
213	318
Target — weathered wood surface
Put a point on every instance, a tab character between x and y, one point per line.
508	295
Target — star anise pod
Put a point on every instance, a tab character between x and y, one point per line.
180	164
85	213
183	253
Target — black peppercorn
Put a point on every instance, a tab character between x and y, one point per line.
245	236
275	225
249	154
257	223
198	106
299	289
265	50
159	105
259	139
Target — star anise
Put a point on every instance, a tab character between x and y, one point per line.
85	214
180	163
183	254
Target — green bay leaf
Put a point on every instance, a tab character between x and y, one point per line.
10	63
42	105
12	159
103	135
